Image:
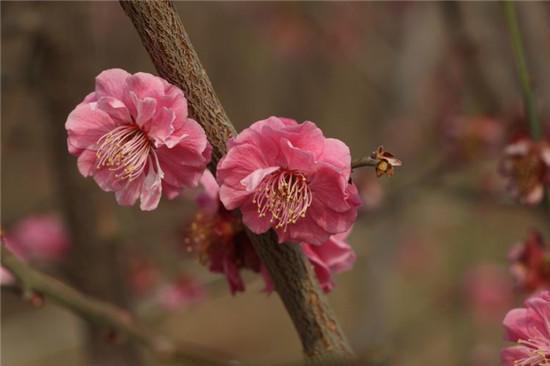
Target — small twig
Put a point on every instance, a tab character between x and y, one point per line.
524	78
523	71
364	161
101	313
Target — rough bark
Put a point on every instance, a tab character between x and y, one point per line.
165	39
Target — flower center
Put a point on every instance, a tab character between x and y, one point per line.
529	170
285	195
126	150
539	353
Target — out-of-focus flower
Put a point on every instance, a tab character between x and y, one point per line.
288	34
530	263
488	292
526	165
134	137
142	275
221	242
529	328
470	137
40	238
385	162
184	291
416	255
6	278
289	177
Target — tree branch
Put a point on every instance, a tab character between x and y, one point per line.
165	39
101	313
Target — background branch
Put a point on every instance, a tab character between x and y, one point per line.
165	39
102	313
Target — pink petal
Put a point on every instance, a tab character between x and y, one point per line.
106	180
338	154
252	219
129	194
144	85
87	163
294	158
233	198
115	108
161	129
516	322
512	355
111	83
209	184
330	220
253	180
193	136
85	125
151	191
336	253
322	271
182	167
145	110
238	163
329	187
304	230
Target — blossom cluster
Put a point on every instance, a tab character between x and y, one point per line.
133	135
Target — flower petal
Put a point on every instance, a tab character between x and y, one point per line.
111	83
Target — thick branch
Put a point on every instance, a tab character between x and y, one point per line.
175	59
100	313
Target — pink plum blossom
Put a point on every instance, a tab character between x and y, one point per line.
221	242
529	328
132	134
40	237
289	177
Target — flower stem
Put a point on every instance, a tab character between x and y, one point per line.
523	72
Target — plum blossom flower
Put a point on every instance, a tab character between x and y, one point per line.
470	137
530	263
220	241
218	238
526	165
289	177
40	237
132	134
529	328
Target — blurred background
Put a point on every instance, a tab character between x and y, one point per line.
435	83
